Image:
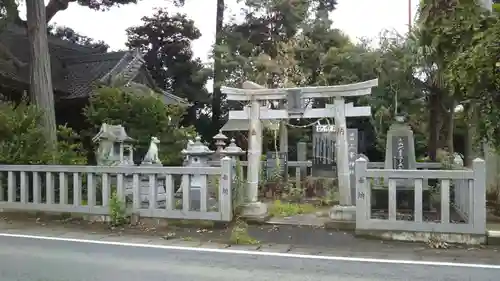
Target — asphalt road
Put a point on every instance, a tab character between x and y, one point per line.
24	259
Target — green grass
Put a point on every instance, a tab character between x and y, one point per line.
281	209
240	236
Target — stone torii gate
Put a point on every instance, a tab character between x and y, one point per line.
254	114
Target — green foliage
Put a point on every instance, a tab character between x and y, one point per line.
286	209
496	7
68	34
70	148
22	140
240	235
238	189
165	41
143	116
270	46
117	210
474	71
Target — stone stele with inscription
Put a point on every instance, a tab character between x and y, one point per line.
400	151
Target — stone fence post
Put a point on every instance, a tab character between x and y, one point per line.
479	194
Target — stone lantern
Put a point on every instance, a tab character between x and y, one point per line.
220	142
234	152
197	155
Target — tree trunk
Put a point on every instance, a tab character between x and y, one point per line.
216	98
451	129
434	104
41	90
472	149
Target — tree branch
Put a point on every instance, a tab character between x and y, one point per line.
5	53
13	12
55	6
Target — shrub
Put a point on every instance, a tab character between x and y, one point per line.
143	115
22	140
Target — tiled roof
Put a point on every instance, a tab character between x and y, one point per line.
165	97
85	71
16	40
75	69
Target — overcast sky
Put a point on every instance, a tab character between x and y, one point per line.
357	18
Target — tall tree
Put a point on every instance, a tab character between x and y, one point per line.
165	41
445	29
268	24
218	74
40	79
475	72
38	15
72	36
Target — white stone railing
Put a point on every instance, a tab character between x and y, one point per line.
147	191
468	200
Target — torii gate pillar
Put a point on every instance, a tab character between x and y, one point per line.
346	210
342	153
253	208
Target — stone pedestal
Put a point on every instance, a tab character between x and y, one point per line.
343	213
255	212
342	217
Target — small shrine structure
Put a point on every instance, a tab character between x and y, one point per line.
115	146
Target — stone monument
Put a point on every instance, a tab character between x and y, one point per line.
400	149
399	155
276	165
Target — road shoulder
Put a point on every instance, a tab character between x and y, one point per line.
266	238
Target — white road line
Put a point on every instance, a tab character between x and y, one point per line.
254	253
